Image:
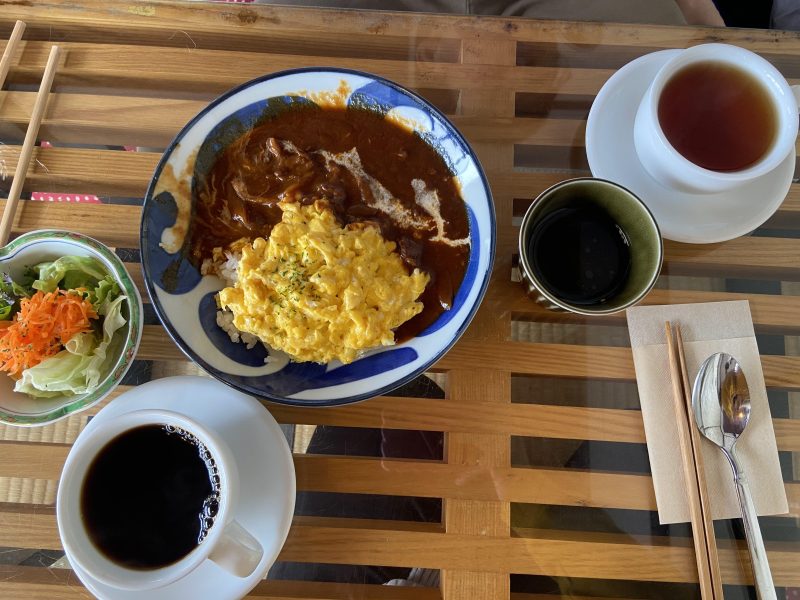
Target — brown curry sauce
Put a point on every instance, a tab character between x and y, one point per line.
241	193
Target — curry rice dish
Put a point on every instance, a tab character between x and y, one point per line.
337	230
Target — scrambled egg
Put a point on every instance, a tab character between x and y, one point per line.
318	291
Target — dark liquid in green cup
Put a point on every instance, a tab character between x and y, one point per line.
580	254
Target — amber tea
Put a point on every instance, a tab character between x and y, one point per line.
718	116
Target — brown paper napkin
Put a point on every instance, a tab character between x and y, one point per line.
706	328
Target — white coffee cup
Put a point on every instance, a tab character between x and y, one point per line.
227	543
669	167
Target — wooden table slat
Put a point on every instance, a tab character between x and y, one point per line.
430	479
425	414
113	65
151	23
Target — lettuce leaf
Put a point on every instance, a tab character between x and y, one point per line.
59	375
68	273
78	272
83	363
107	290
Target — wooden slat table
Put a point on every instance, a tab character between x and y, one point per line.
518	469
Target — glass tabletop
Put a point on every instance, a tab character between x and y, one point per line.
518	466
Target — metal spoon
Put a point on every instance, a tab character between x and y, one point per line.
721	403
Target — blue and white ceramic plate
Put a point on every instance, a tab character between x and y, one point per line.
184	299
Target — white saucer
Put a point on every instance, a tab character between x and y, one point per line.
683	217
266	473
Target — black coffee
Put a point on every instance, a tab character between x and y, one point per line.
580	254
150	496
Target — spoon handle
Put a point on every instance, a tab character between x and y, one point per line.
755	542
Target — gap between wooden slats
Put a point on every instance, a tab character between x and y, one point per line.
771	313
109	67
35	583
558	554
615	57
229	25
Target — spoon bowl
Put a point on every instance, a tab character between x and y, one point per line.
721	400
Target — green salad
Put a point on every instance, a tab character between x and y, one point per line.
61	324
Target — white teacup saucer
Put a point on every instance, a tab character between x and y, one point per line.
266	473
681	216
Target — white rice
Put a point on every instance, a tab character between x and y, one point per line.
224	269
225	322
227	271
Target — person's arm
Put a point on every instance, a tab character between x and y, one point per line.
700	12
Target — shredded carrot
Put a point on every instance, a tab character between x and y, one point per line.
44	323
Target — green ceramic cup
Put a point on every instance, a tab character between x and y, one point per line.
625	209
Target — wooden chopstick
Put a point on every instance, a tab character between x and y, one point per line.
11	46
702	488
708	589
28	145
